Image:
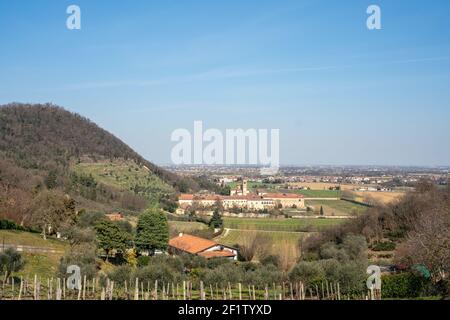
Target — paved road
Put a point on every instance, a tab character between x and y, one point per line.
30	249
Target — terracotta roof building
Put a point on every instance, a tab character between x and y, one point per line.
114	216
249	201
206	248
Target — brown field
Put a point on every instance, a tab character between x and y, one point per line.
321	185
383	197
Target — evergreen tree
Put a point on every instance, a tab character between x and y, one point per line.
111	237
321	210
152	231
216	220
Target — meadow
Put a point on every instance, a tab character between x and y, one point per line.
289	225
186	226
337	207
42	264
319	193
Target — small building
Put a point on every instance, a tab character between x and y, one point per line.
117	216
206	248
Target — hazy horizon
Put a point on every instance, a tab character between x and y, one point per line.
339	93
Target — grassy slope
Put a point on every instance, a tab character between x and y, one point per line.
29	239
182	226
338	207
291	225
125	175
44	265
282	234
277	238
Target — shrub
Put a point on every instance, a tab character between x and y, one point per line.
384	246
10	225
270	260
121	274
307	272
402	285
143	261
10	261
161	272
89	219
223	275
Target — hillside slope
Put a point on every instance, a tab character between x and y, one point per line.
44	148
42	136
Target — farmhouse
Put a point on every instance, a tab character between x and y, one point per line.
118	216
206	248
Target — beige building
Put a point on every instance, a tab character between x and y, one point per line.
248	202
241	189
286	200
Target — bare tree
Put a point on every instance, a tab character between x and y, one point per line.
429	243
253	244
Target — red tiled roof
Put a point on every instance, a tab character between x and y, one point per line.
191	244
216	254
114	216
247	197
238	197
186	197
207	197
282	196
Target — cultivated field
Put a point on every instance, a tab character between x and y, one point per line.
321	185
279	237
337	207
125	175
185	226
319	193
383	197
285	245
290	225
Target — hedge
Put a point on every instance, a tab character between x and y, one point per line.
384	246
10	225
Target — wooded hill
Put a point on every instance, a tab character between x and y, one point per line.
43	149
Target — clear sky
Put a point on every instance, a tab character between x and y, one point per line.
338	92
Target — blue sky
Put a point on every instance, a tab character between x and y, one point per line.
338	92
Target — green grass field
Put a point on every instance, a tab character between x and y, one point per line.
319	193
293	225
182	226
254	185
29	239
276	237
337	207
44	265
